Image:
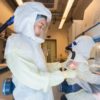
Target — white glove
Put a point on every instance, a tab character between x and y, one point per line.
69	74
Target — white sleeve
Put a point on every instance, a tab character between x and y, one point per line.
85	74
22	70
55	66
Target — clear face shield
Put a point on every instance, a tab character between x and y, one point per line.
44	30
94	60
41	26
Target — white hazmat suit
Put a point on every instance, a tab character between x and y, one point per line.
25	58
82	50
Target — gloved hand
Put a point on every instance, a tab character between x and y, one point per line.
69	74
64	65
70	64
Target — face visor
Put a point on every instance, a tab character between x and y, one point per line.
42	26
94	59
69	49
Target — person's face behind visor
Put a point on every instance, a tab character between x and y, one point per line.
41	27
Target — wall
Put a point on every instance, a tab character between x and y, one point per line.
91	17
92	14
61	37
1	50
5	12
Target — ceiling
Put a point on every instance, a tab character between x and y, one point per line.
57	8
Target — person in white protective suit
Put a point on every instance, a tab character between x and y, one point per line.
81	49
25	58
94	62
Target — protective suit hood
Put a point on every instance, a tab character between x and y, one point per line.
25	17
83	48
